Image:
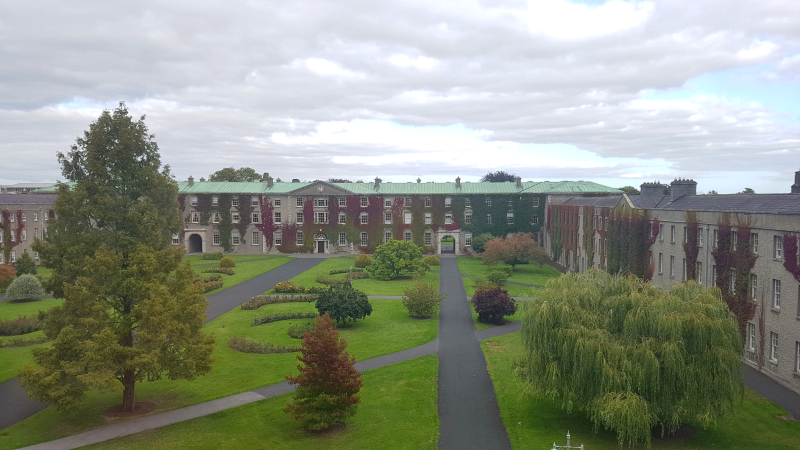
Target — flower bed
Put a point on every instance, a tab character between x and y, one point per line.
269	318
244	345
261	300
287	287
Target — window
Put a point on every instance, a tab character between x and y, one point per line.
468	239
734	239
342	238
35	217
428	202
489	219
364	238
255	218
387	217
235	237
2	258
660	263
24	235
321	202
342	202
535	219
488	201
364	218
797	356
510	203
364	202
672	266
299	238
387	202
320	217
753	285
195	217
773	348
215	238
253	201
36	233
699	237
751	336
428	238
660	232
387	236
713	275
428	218
407	217
776	294
716	238
684	270
778	246
754	242
685	235
447	202
215	217
277	202
194	201
510	218
235	217
13	256
699	272
176	239
235	201
672	234
215	201
255	239
13	237
278	238
535	202
448	219
467	218
733	280
299	218
277	217
467	203
299	202
342	218
407	235
407	201
12	218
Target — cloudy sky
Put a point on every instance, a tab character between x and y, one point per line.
611	91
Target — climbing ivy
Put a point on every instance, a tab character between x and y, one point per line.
691	247
735	259
5	229
630	235
790	243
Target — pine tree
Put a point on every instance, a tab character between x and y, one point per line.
328	379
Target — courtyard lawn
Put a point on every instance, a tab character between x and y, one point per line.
243	271
537	423
514	290
524	273
198	259
509	319
13	358
387	330
370	286
397	410
11	309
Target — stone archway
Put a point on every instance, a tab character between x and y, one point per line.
195	243
455	234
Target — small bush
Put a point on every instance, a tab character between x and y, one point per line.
227	262
422	299
480	240
343	303
25	287
346	270
358	276
498	277
493	304
210	282
20	325
363	261
297	330
25	265
429	249
269	318
219	270
432	260
21	341
244	345
215	256
7	275
260	300
287	287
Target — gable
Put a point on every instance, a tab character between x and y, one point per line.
320	188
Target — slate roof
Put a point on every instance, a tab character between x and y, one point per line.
649	201
27	199
756	203
610	201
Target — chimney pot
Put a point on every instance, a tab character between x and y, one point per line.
191	180
377	182
458	182
269	181
519	181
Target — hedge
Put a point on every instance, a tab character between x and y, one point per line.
260	300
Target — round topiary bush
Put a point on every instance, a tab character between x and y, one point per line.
432	260
25	287
363	261
227	262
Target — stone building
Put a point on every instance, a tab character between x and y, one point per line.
23	217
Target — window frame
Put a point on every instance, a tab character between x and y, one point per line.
300	238
254	238
235	201
342	218
468	239
773	346
299	218
364	238
236	238
299	202
364	202
364	218
488	201
276	217
387	217
776	294
342	238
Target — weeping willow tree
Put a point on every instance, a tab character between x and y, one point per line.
632	356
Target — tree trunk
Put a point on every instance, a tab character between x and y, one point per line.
128	395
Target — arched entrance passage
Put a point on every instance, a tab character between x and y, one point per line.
448	244
320	242
195	244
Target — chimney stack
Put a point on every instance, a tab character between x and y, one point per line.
680	187
519	182
269	181
202	179
458	182
265	177
654	188
419	180
377	182
191	180
796	185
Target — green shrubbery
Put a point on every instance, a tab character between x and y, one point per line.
22	341
244	345
216	256
422	299
25	265
296	330
287	287
396	258
219	270
432	260
343	303
25	287
497	277
480	240
347	270
493	304
210	282
227	262
260	300
277	317
363	261
20	325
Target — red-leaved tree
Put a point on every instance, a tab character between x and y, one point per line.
517	248
328	379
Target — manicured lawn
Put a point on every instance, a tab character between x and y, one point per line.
198	259
526	273
11	310
12	359
387	330
513	289
512	318
537	423
397	410
243	270
370	286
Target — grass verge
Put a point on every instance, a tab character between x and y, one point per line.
243	270
12	359
537	423
526	273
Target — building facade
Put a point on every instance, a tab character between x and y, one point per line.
23	218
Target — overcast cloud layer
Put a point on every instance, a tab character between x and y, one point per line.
615	92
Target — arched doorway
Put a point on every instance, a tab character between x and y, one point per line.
195	244
448	244
320	239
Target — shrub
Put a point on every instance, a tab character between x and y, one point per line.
25	265
480	240
277	317
287	287
358	276
343	303
21	341
396	258
346	270
429	249
260	300
422	299
497	277
20	325
25	287
227	262
219	270
432	260
363	261
481	283
215	256
297	330
331	281
7	275
493	304
244	345
210	282
328	380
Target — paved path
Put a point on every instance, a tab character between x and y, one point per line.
469	416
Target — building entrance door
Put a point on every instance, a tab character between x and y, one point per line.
320	246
